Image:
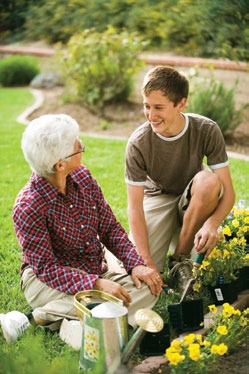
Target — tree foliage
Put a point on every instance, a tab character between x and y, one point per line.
207	28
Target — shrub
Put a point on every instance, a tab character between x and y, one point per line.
17	70
99	67
212	99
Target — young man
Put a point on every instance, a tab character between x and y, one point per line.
168	187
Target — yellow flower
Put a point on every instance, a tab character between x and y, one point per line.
222	330
214	349
227	231
216	253
174	358
228	310
237	312
199	339
246	219
212	309
226	253
235	223
194	351
243	321
189	339
197	287
176	346
222	349
204	264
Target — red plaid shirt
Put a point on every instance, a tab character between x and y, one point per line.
58	232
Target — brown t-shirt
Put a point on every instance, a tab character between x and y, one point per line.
166	165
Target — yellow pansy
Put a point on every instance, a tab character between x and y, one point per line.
222	330
243	321
212	309
189	339
227	231
174	358
194	351
235	223
222	349
176	346
214	349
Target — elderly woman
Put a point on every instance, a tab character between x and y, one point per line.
62	223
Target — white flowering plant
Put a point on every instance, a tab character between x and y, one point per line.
194	353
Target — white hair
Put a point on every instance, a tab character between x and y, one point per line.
48	139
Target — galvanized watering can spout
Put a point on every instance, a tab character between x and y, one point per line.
148	321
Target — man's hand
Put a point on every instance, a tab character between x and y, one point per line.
149	276
206	239
113	289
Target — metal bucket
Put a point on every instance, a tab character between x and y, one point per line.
105	329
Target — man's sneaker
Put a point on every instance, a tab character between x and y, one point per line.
181	269
13	324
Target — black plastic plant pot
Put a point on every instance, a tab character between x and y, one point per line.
186	316
225	293
154	344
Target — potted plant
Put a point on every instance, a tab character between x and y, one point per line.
236	224
221	269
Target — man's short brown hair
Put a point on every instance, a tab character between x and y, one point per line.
173	84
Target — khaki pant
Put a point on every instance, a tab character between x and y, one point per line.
163	225
52	305
164	216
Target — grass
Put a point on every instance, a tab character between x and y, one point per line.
105	159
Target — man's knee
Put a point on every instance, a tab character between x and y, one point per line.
207	184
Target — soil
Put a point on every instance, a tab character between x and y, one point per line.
120	120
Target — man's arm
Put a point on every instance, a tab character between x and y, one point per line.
224	206
227	200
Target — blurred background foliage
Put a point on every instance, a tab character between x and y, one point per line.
204	28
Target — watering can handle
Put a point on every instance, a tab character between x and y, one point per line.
88	294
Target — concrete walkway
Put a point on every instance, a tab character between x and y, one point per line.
150	59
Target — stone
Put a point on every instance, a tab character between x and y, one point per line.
46	80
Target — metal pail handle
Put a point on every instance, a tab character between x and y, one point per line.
88	294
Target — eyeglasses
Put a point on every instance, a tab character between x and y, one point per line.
81	149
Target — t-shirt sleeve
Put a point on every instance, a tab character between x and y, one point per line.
135	169
215	148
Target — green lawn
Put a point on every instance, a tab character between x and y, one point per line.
105	158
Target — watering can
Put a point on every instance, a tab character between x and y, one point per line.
105	342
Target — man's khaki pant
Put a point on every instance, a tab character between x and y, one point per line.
52	305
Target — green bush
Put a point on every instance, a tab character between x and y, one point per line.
212	99
98	68
17	70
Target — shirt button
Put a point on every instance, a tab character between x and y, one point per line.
71	206
82	226
64	228
87	244
94	207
